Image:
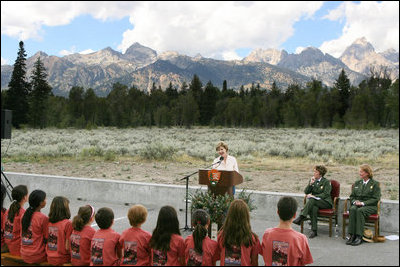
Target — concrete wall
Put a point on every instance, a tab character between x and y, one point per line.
112	191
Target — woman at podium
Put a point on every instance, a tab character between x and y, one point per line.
226	162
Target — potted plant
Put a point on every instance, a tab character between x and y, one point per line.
217	206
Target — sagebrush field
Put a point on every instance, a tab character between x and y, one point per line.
269	159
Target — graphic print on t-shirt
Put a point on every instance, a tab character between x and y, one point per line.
233	256
130	252
280	253
159	258
8	230
97	250
53	236
27	236
75	245
195	259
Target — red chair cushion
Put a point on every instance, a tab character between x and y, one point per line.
326	212
373	217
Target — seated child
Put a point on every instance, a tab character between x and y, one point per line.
237	243
167	244
105	248
60	229
82	236
135	241
34	231
4	247
283	245
12	227
200	249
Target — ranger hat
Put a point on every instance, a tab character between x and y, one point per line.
367	237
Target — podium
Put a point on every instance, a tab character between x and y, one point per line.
225	183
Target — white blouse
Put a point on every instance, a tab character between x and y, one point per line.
231	164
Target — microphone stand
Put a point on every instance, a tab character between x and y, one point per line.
6	183
187	228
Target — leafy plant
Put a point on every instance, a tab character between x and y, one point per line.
217	206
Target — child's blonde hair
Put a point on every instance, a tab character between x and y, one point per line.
137	215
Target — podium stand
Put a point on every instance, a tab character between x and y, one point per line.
227	179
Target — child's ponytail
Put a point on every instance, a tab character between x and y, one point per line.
199	221
35	198
84	215
17	194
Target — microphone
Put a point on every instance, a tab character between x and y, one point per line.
221	158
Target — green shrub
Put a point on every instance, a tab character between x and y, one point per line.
218	206
158	151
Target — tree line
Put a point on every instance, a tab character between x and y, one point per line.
374	103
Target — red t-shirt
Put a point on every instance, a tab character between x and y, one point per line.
59	233
33	242
3	212
285	247
238	256
136	250
210	254
171	258
80	246
12	232
104	246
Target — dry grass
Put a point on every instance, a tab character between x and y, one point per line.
275	174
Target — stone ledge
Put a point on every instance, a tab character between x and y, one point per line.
114	191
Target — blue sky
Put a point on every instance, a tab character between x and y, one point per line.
231	30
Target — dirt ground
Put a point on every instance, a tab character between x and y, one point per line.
275	174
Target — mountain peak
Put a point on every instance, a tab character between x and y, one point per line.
311	49
135	47
40	54
361	41
357	50
140	54
271	56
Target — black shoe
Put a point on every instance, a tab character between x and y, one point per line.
351	239
313	234
357	241
299	219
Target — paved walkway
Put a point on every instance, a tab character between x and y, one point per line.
325	250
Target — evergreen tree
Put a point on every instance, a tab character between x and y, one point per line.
18	90
392	105
90	107
171	93
117	103
184	88
207	105
342	84
40	93
224	86
195	88
75	104
188	109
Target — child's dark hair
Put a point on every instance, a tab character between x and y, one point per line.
35	198
59	209
104	218
84	215
17	194
3	194
167	224
199	221
287	207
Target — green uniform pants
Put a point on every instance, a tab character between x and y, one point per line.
357	217
311	208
